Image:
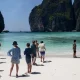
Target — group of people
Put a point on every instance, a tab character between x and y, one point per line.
31	52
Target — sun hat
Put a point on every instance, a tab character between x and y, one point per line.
15	43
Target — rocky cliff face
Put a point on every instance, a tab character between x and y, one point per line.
1	22
77	13
35	20
52	15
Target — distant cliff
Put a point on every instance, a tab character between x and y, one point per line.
52	15
77	13
1	22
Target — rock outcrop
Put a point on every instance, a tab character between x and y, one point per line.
1	22
52	15
77	13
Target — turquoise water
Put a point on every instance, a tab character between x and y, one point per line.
56	42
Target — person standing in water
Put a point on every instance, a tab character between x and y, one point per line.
74	49
42	50
15	53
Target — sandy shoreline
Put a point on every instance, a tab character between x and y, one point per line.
51	55
55	68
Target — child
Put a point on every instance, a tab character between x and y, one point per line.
42	50
16	55
74	49
33	48
27	53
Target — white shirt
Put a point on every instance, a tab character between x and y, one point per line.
41	47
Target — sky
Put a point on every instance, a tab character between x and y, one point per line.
16	13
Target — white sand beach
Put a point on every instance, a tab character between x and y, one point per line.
55	68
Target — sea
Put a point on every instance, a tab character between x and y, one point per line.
56	43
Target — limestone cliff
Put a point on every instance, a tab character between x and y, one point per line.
52	15
77	13
1	22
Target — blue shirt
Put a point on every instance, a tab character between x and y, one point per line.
28	53
15	53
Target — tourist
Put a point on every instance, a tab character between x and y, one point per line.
42	50
0	44
33	48
37	48
74	49
27	54
15	53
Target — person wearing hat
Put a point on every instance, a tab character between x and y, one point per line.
15	54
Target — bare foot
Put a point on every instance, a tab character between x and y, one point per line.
16	75
25	73
9	74
29	72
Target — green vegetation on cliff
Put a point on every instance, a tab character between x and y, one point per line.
52	15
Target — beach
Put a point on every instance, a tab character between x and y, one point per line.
44	35
59	62
54	68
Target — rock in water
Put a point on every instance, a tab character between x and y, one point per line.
77	13
1	22
52	15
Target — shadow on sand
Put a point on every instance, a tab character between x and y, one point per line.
47	61
2	58
77	57
0	76
2	62
35	73
1	70
23	75
39	65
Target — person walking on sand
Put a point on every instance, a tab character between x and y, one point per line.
74	49
15	53
42	50
28	54
33	48
37	48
